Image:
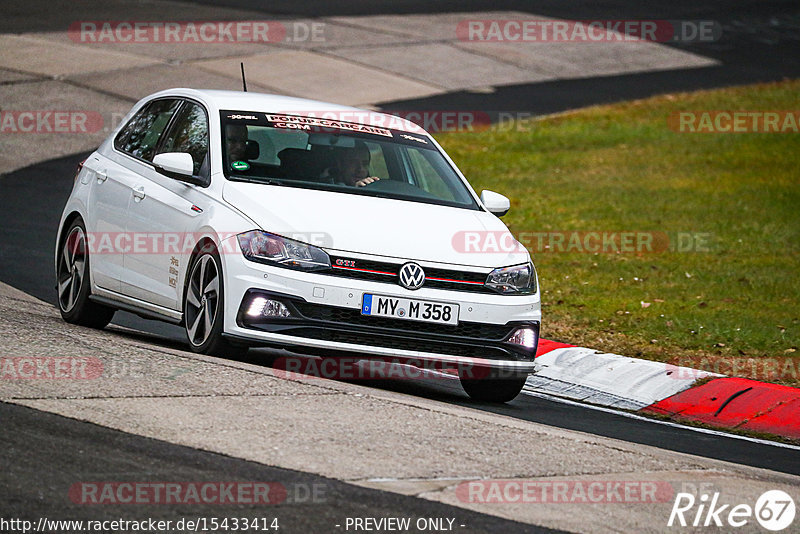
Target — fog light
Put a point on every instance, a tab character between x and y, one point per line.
525	337
256	306
261	306
275	308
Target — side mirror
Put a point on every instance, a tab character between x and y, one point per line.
175	162
177	165
495	202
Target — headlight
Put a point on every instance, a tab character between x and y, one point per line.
270	248
516	280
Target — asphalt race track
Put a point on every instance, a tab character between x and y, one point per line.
106	454
43	454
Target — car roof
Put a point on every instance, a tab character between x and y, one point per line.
268	103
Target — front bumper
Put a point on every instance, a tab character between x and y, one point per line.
326	319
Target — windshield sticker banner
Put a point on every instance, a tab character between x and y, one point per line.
306	123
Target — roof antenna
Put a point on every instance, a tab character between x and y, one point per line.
244	82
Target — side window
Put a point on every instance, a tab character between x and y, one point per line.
189	134
140	136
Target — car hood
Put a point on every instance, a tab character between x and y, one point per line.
378	226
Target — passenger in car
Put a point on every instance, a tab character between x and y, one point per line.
351	166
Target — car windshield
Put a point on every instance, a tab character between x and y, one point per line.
346	157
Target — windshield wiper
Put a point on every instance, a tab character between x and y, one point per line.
262	181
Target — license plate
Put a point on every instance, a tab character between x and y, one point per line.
412	309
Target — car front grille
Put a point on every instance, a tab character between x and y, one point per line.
389	273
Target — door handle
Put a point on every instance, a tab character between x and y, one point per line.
102	176
138	193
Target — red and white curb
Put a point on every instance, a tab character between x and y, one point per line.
615	381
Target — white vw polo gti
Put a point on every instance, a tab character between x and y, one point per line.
263	220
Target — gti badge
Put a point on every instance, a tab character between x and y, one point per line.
412	276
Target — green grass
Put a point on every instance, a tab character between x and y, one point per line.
621	168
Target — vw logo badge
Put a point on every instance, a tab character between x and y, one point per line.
412	276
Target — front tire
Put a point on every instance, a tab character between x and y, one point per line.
204	305
72	281
495	386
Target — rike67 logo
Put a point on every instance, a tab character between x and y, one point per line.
774	510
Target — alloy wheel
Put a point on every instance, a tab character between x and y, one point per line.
202	297
71	267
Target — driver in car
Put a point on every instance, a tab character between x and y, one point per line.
351	166
236	140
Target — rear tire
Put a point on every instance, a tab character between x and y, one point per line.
204	306
494	386
73	284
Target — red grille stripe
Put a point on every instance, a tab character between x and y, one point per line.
362	270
